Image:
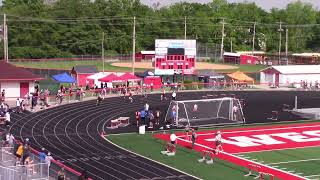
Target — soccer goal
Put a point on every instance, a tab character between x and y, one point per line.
205	112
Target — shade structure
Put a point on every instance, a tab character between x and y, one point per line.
112	78
129	77
64	78
240	76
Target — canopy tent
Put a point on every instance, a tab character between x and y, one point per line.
94	78
130	77
111	78
240	76
148	73
64	78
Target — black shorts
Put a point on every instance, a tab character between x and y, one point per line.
218	143
173	142
18	156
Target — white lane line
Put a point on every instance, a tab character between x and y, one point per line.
258	130
287	162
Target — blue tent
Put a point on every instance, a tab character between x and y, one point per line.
64	78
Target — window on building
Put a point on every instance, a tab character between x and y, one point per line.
170	66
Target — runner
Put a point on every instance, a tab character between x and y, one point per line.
195	110
99	100
234	112
130	96
218	140
193	137
163	95
211	154
137	117
157	117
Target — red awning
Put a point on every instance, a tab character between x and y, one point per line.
111	78
130	77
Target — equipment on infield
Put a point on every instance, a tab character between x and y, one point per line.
205	112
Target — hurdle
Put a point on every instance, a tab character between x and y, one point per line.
254	170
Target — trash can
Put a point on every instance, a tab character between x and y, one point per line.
142	129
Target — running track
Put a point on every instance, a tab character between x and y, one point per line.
72	134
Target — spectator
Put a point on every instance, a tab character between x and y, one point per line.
157	117
19	153
26	152
8	119
18	105
143	117
11	140
84	175
61	174
3	95
48	159
42	156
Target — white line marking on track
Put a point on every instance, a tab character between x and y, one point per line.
276	149
271	167
287	162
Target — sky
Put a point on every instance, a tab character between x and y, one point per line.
265	4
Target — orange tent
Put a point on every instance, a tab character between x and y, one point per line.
240	76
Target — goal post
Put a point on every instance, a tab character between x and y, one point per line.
205	112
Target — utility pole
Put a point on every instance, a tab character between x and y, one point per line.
253	37
231	44
287	46
102	52
134	44
222	39
185	27
280	36
5	39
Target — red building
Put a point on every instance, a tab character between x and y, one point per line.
174	56
80	73
238	58
145	55
17	82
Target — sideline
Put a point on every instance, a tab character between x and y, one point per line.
149	158
288	162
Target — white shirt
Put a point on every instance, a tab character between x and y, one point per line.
146	107
195	107
48	160
7	116
234	109
173	137
218	137
18	103
174	94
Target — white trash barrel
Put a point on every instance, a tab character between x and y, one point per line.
142	129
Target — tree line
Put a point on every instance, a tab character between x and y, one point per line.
62	28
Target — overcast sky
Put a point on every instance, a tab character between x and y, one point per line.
265	4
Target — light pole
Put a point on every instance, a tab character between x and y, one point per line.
280	36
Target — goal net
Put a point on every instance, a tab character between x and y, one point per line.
205	112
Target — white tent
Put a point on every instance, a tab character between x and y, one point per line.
290	75
97	76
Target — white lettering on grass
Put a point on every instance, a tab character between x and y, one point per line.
244	141
312	133
296	137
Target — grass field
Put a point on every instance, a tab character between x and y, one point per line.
108	67
69	64
301	161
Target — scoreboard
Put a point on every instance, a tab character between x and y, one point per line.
175	56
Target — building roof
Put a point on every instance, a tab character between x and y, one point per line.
148	52
250	52
9	72
231	54
307	54
84	69
296	69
